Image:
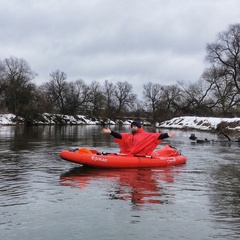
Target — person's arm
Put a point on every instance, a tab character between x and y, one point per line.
165	135
114	134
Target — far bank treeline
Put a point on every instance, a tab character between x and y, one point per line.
215	93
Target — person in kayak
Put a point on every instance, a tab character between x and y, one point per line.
138	142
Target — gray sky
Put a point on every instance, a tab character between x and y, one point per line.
138	41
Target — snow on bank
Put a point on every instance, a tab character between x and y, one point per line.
8	119
201	123
47	119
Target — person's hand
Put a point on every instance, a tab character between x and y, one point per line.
106	130
171	134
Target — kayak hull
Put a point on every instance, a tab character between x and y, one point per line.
112	160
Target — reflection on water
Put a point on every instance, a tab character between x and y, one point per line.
225	195
45	197
140	186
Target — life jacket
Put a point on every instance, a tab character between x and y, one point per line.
140	143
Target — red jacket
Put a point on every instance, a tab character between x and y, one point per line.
140	143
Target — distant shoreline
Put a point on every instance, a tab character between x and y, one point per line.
184	123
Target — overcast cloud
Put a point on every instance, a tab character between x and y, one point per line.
161	41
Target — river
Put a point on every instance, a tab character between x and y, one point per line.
45	197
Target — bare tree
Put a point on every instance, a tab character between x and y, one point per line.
108	91
16	77
2	68
225	53
96	100
57	91
170	104
125	99
194	98
224	73
152	94
223	95
78	97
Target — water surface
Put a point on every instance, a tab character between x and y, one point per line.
45	197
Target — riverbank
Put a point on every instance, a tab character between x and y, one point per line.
202	123
187	122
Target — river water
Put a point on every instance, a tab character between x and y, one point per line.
45	197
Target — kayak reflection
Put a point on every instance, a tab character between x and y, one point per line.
140	186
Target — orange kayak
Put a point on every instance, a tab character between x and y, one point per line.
167	156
